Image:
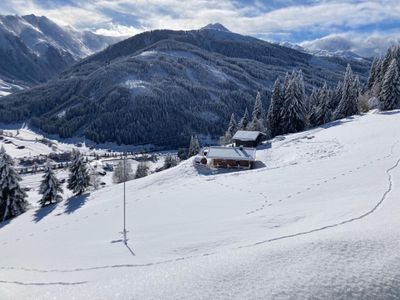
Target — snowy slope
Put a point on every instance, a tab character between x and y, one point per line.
319	221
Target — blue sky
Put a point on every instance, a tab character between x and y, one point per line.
366	26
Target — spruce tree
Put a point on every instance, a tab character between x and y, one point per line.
79	178
194	147
275	110
50	188
258	115
390	92
312	100
321	113
244	121
373	73
348	105
294	117
336	96
12	197
230	132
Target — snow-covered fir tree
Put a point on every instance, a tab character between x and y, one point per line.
390	91
50	187
274	125
194	146
258	116
312	100
123	171
142	170
230	132
294	115
336	96
244	121
12	197
321	112
348	105
79	179
374	72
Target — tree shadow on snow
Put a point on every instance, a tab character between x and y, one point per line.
42	212
392	112
2	224
75	203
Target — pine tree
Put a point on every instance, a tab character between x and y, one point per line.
230	132
12	197
348	105
142	170
50	188
79	178
123	172
194	147
390	92
275	110
244	121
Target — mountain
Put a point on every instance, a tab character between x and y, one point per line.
320	221
336	49
336	45
162	86
34	49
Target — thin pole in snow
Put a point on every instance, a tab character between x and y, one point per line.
124	232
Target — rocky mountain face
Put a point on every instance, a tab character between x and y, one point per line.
34	49
160	87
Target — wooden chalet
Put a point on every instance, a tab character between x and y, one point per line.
231	157
248	138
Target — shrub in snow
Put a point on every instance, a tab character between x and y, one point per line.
123	172
12	197
50	188
170	162
142	170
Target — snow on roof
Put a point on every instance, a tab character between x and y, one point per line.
243	135
234	153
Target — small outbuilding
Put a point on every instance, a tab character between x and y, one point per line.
231	157
248	138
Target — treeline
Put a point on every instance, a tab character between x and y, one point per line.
384	80
291	110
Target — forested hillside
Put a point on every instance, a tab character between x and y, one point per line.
162	86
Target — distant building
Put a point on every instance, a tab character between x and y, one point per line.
248	138
231	157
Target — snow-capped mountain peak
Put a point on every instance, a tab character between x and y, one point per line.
216	26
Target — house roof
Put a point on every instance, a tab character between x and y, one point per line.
234	153
243	135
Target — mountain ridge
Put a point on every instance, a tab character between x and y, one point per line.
166	83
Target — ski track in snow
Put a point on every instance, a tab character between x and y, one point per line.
347	221
42	283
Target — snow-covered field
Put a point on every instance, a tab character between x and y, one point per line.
319	221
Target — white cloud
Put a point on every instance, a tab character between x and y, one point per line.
317	18
367	44
119	30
